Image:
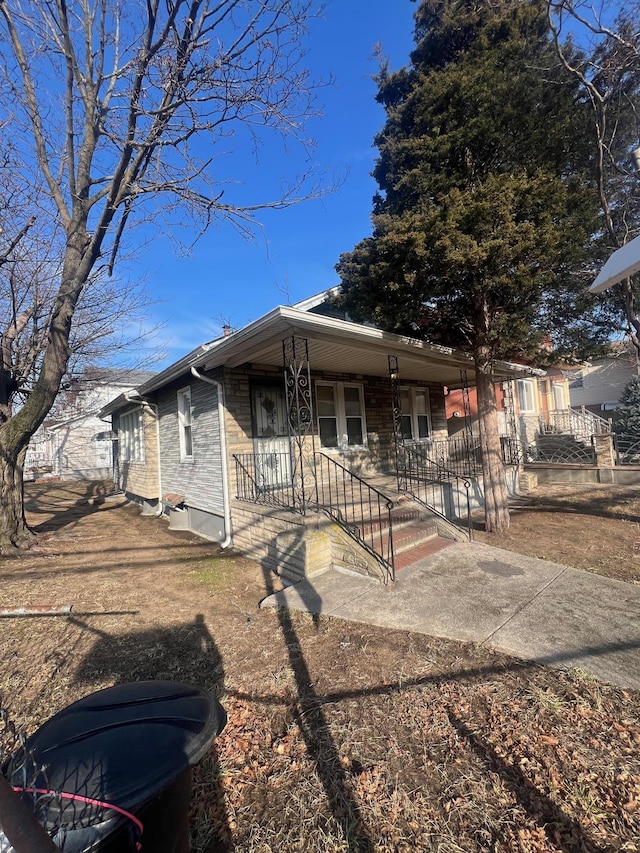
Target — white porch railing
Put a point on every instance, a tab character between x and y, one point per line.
581	423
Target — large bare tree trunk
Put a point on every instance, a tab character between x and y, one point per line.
14	531
137	85
496	507
16	432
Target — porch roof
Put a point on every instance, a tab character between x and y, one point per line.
344	347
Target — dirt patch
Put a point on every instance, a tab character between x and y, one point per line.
596	528
340	737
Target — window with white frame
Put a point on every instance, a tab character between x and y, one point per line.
185	427
131	436
559	397
526	395
415	411
340	408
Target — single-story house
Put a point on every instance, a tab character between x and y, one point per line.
303	439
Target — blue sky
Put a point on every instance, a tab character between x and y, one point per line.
226	278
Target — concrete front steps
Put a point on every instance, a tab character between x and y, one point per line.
415	533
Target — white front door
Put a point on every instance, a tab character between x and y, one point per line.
270	436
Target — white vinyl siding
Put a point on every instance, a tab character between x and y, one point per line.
131	437
185	426
602	381
198	479
340	410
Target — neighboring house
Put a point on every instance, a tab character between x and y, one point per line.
263	434
73	443
598	384
526	406
536	422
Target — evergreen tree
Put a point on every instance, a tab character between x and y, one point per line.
626	419
483	212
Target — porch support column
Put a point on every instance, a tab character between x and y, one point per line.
468	425
396	413
514	456
507	390
297	383
466	404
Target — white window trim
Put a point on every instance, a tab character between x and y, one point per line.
131	436
415	432
341	418
561	388
185	393
529	383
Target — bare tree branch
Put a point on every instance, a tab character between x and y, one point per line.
607	64
115	102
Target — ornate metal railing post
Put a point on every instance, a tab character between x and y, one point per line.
468	425
396	413
509	404
297	383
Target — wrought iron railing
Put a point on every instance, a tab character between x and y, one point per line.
440	489
462	455
559	450
511	448
360	509
458	454
265	478
627	449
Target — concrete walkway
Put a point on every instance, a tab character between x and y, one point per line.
529	608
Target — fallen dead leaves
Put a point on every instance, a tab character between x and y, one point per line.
341	738
449	766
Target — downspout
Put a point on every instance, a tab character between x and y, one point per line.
134	397
223	451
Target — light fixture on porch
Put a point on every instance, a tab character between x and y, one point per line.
394	373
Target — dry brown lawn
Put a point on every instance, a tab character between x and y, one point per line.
590	527
340	737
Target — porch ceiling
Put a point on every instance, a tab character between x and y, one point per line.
339	346
331	356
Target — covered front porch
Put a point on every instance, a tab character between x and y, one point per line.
331	417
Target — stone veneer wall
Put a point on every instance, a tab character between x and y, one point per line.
377	404
297	547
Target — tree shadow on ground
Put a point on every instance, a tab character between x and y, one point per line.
90	499
310	717
578	504
185	653
599	507
568	834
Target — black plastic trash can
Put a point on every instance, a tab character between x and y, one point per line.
119	763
